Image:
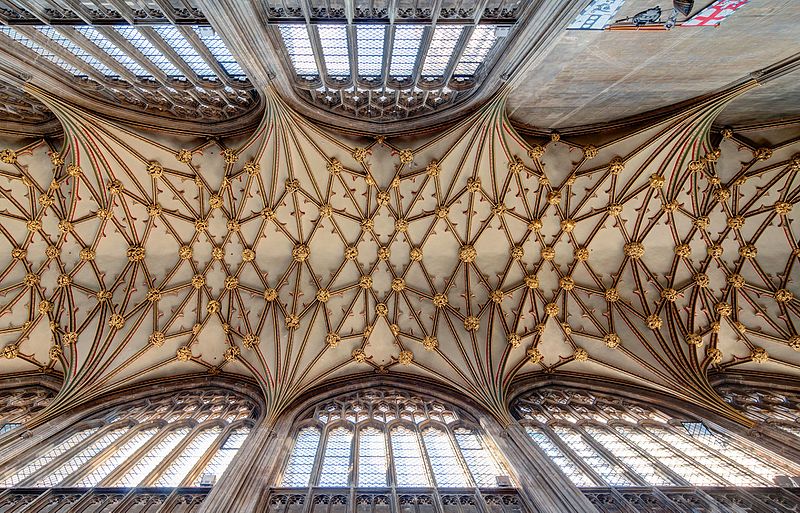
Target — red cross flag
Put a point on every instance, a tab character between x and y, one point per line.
714	13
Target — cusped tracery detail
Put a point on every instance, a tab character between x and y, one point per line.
170	441
383	437
600	440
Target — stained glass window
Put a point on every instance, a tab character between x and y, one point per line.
626	444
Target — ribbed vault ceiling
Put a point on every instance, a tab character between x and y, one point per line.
471	257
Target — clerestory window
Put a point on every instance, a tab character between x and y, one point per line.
602	441
187	439
384	438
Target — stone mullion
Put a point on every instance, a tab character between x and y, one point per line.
134	458
628	472
677	452
60	52
649	457
155	39
541	482
466	33
251	469
83	42
88	467
170	457
207	56
136	55
723	456
63	458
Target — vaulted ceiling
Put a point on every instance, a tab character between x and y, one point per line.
472	257
658	254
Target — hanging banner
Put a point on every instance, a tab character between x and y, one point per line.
596	15
714	13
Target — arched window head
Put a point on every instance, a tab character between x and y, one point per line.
384	438
184	439
17	405
599	440
771	409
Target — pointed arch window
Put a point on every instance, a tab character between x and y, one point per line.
773	410
599	440
19	404
384	438
167	442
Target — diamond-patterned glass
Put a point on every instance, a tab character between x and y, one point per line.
301	461
372	466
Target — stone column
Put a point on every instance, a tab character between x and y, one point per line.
541	483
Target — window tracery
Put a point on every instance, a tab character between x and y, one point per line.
174	64
773	409
388	63
17	405
168	442
382	438
603	441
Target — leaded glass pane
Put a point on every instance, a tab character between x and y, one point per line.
409	467
102	42
28	470
47	54
301	462
447	470
77	51
224	455
117	457
669	457
609	471
188	458
567	466
336	460
370	49
80	458
333	39
443	45
628	455
748	460
481	462
405	48
220	52
372	466
137	39
298	46
481	41
709	459
152	458
184	48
